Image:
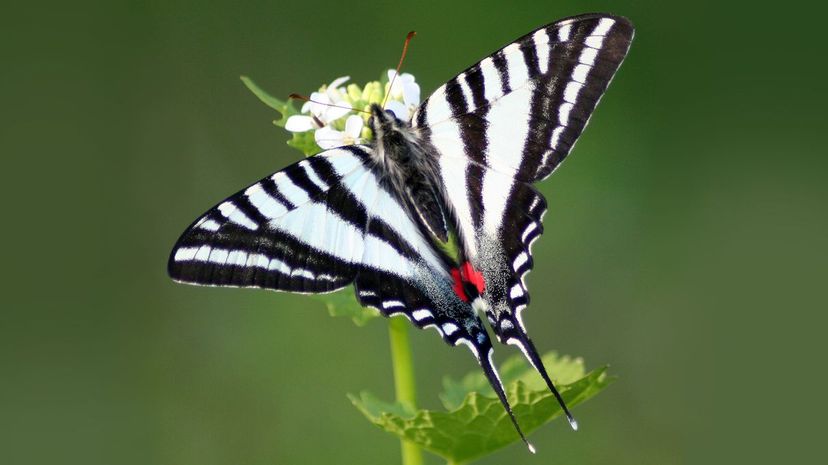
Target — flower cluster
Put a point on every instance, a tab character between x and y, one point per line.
338	114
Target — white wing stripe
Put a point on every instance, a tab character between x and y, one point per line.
563	114
242	258
185	254
467	94
529	229
580	73
450	328
305	164
553	141
495	194
237	257
203	253
295	223
453	172
520	260
594	41
268	206
342	161
563	32
603	27
571	92
588	55
293	193
508	129
541	40
229	211
392	304
437	108
491	79
208	225
421	314
218	256
518	73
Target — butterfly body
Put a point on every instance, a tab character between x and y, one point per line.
410	171
435	218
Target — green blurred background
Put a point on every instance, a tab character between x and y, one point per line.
685	242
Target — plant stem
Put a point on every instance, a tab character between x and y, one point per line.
404	384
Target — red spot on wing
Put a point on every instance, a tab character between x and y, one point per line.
458	285
467	274
473	276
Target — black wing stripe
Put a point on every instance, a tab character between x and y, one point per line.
300	179
530	58
477	85
499	61
244	205
456	98
269	187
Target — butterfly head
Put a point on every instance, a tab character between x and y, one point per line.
392	136
383	122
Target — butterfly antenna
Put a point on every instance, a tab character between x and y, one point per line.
399	65
528	348
494	380
308	99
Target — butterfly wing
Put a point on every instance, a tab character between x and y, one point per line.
320	225
505	123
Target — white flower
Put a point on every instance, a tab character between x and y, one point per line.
328	137
335	92
323	108
404	95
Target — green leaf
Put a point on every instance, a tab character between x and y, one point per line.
303	141
474	423
286	108
344	303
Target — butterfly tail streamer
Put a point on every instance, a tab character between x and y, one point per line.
494	379
522	341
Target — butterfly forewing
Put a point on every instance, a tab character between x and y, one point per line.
509	121
317	226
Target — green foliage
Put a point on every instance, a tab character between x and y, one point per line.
302	141
344	303
474	423
285	108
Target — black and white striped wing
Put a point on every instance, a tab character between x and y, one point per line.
297	230
507	122
320	225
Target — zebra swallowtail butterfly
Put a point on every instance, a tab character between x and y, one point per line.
378	216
